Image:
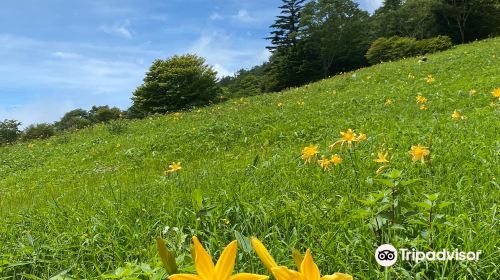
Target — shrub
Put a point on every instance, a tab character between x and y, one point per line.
436	44
75	119
116	127
9	131
39	131
179	82
104	113
394	48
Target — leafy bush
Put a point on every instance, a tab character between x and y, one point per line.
39	131
9	131
394	48
75	119
179	82
117	127
104	113
436	44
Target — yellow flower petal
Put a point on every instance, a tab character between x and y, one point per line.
263	254
248	276
308	268
225	264
297	258
184	277
337	276
203	262
283	273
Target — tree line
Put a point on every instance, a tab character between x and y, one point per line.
312	40
309	41
11	132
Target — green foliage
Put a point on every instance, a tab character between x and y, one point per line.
133	112
180	82
286	29
91	203
468	20
292	67
433	45
9	131
336	31
390	49
39	131
74	119
117	127
394	48
461	20
245	82
104	113
411	18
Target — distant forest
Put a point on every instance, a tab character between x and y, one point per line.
312	40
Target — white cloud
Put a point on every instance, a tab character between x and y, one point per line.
50	82
221	71
216	16
66	55
228	53
117	29
244	16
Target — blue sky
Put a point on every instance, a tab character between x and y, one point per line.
57	55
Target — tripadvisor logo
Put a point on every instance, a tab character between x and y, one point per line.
387	255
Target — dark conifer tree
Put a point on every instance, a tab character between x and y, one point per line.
285	32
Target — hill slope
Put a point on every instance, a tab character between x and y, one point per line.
90	201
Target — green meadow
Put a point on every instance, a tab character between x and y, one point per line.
90	204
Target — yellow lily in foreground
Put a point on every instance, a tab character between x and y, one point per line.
223	270
308	270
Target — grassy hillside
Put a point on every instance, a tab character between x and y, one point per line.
86	203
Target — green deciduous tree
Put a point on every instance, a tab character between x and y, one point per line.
467	20
104	113
176	83
39	131
74	119
338	30
9	131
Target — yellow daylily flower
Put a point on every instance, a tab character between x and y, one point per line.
419	153
324	163
420	99
263	254
336	160
430	79
456	115
308	271
423	107
348	137
496	93
223	270
382	157
174	167
361	137
309	152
